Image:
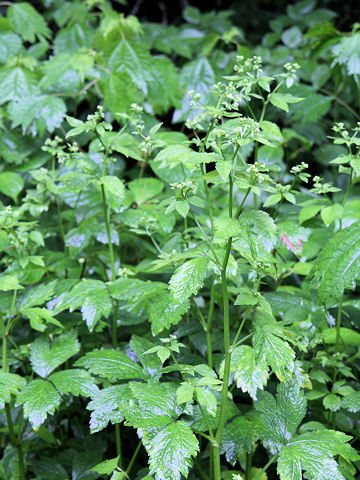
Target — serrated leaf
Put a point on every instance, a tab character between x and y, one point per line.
111	364
227	227
16	84
238	439
38	113
10	384
338	264
92	297
46	356
188	279
114	187
26	21
249	374
10	44
164	311
170	451
108	405
197	75
332	402
351	402
314	453
282	415
39	398
270	346
74	381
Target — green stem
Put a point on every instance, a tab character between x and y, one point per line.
338	325
209	324
208	200
263	470
17	443
108	232
115	308
133	458
248	466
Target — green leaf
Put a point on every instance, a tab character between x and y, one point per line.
281	100
115	189
282	415
92	297
143	189
185	392
165	311
249	373
119	91
10	384
226	227
207	399
111	364
332	402
292	37
314	453
38	113
17	84
46	356
74	381
347	336
26	21
107	405
188	279
11	184
346	52
197	75
39	398
106	467
351	402
238	439
163	86
170	451
270	346
224	168
332	213
134	59
151	363
9	282
10	44
338	264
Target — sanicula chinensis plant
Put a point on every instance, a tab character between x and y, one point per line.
178	302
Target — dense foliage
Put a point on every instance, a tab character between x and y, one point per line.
180	246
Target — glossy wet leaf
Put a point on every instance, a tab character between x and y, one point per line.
46	355
188	279
39	399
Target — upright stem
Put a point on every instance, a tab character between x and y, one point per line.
338	325
209	324
17	443
115	309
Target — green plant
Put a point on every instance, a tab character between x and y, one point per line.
196	287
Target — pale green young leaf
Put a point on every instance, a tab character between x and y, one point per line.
9	281
46	357
39	398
